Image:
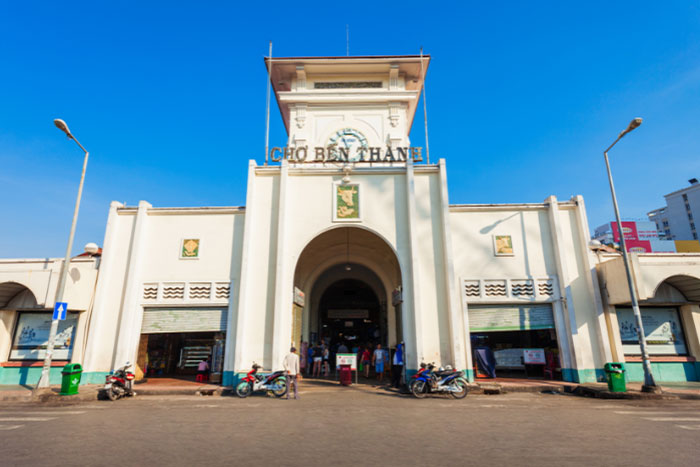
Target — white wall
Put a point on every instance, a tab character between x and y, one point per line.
151	253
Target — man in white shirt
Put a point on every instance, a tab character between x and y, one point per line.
291	368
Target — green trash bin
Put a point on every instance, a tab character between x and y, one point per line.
615	373
70	379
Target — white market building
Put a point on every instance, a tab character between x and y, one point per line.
364	248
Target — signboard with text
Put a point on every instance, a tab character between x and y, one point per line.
346	359
662	328
32	337
533	357
510	318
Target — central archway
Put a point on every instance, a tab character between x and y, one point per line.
350	312
347	275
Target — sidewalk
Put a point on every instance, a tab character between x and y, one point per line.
173	386
24	393
91	392
671	390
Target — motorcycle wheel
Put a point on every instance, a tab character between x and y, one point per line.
282	382
112	394
243	389
419	390
463	390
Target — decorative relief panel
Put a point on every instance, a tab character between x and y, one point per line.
495	288
509	290
217	292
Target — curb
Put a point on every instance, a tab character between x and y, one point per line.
497	388
584	391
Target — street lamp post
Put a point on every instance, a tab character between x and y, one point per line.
44	379
649	383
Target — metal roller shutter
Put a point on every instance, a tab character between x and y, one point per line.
162	320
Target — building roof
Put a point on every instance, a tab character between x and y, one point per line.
691	187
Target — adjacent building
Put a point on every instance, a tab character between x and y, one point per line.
348	235
640	237
677	220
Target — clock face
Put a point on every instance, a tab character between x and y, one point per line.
350	139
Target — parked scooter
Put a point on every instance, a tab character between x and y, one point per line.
423	368
253	382
441	381
120	383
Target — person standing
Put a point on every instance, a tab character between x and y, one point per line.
309	359
302	359
378	362
397	366
203	370
318	358
326	365
291	369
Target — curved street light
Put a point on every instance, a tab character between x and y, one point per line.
44	379
649	383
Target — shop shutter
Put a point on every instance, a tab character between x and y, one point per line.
161	320
510	318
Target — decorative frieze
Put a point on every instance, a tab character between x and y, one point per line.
507	290
215	292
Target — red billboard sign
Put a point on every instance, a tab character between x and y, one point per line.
629	229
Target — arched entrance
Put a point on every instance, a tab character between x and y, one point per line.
349	311
347	275
14	295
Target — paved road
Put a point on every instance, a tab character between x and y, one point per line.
355	426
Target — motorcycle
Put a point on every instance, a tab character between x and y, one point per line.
120	383
275	382
423	368
441	381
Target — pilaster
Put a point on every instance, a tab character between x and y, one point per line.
592	285
461	352
564	315
235	334
132	312
105	280
282	320
411	310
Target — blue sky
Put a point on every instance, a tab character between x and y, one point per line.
169	98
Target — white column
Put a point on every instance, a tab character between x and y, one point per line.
236	330
592	284
411	306
564	315
282	317
132	312
690	318
95	349
461	352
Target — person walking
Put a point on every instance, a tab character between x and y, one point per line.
397	366
291	369
378	362
365	359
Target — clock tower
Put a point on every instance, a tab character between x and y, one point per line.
348	103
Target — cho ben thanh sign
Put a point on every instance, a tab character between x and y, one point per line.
333	153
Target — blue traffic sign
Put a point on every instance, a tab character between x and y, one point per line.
59	310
